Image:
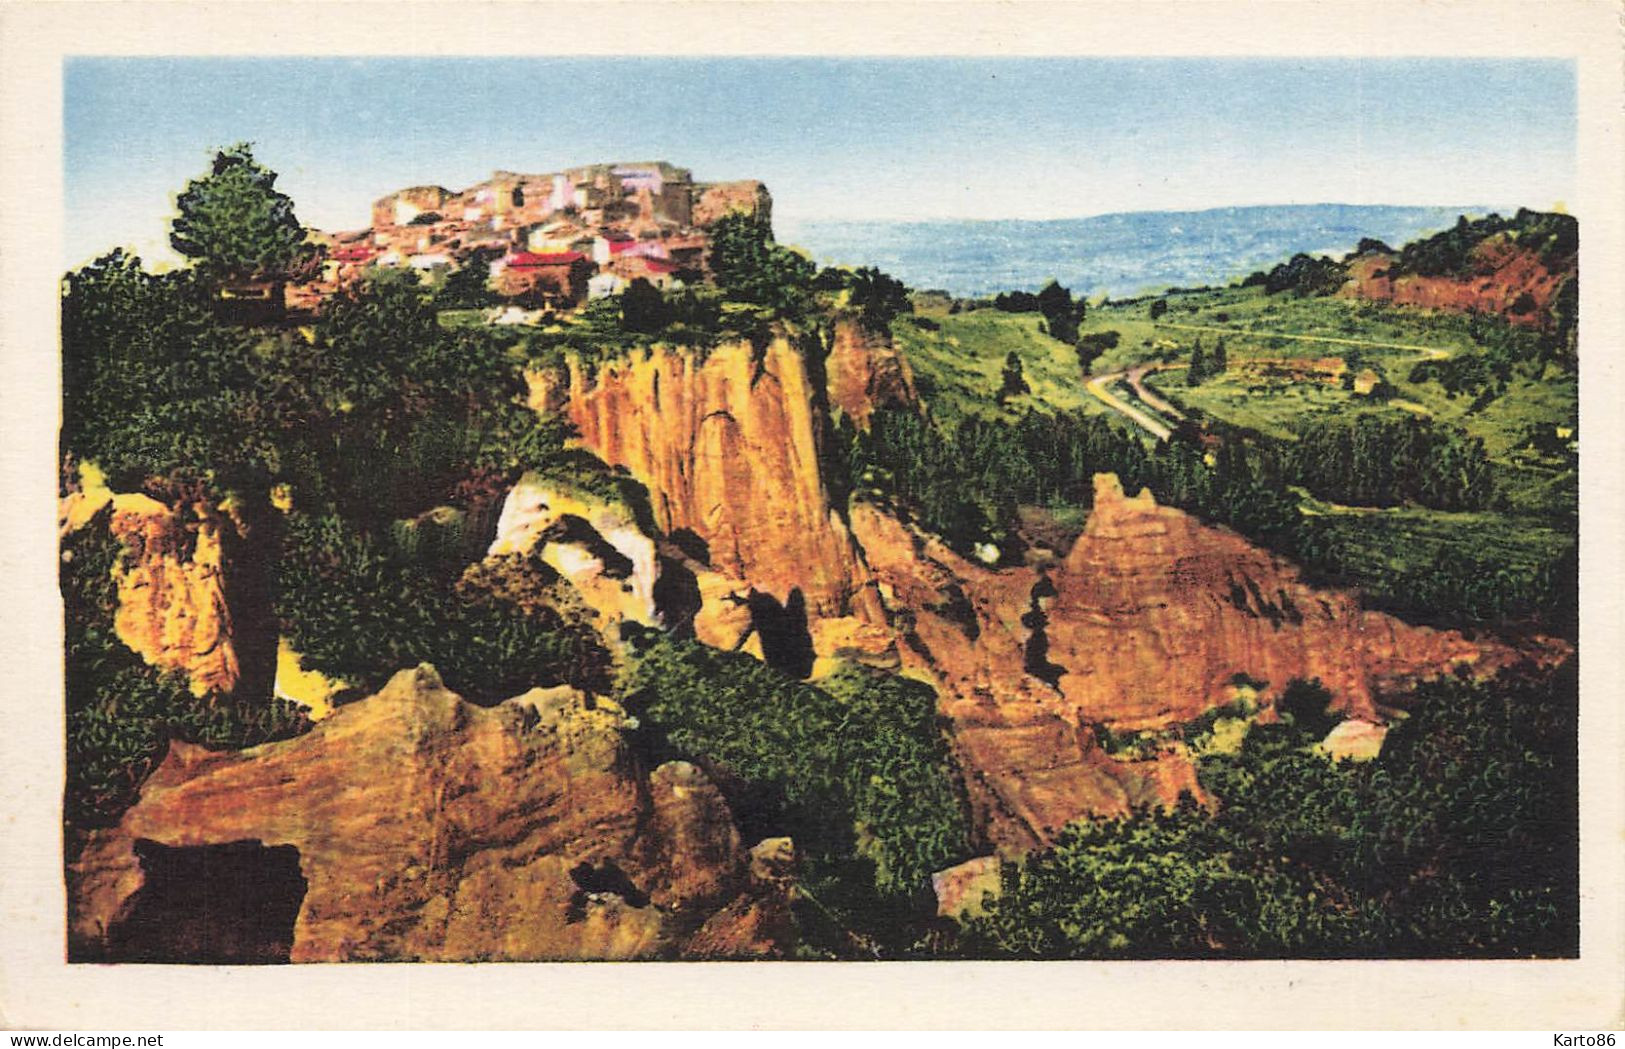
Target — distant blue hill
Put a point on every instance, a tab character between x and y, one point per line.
1119	255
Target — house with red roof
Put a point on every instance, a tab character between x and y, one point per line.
557	277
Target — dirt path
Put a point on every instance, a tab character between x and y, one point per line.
1100	387
1428	352
1148	395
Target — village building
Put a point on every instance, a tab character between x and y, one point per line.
344	263
560	237
559	278
657	271
405	206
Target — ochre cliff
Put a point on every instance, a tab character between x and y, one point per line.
728	446
1028	757
1156	612
866	372
428	828
188	597
1143	625
1507	280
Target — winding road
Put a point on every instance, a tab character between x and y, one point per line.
1100	386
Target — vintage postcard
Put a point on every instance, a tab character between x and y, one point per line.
690	499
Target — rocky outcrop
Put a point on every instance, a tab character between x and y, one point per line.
428	828
595	544
187	598
758	923
1156	613
714	200
1144	625
866	372
1506	280
1354	741
728	446
961	889
1027	752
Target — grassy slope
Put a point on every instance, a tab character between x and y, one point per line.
960	367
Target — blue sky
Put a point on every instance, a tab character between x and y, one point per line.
832	138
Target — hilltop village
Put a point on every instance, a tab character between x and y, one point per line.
547	240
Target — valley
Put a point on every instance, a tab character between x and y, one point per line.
671	596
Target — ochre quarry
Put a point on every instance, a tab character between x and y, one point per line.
1506	276
1148	622
424	827
728	445
1145	624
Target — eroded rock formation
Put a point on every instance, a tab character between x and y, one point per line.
728	446
866	372
188	597
1507	280
1144	625
595	544
429	828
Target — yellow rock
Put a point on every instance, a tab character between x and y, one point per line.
311	689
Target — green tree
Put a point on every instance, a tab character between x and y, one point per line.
1014	382
879	296
1158	308
643	308
235	224
1061	313
467	287
750	267
1198	369
1094	344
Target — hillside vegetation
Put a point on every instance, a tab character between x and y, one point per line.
361	461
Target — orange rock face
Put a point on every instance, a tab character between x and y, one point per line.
1504	273
1146	623
1027	752
866	372
187	599
428	828
729	448
1156	612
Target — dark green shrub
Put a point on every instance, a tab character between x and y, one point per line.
857	770
357	609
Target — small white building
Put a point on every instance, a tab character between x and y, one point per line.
603	285
430	264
